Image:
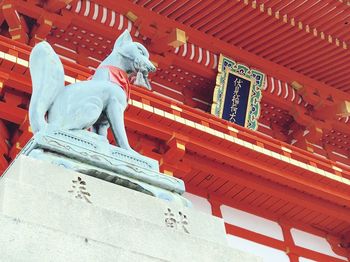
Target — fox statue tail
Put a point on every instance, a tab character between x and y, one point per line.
47	75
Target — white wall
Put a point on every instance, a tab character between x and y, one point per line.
313	242
265	227
303	259
268	254
251	222
199	203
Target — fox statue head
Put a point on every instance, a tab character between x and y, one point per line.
135	58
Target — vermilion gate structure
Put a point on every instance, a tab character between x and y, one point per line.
294	170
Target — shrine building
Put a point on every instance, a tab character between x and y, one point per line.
250	106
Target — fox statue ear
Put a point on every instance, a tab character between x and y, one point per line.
124	38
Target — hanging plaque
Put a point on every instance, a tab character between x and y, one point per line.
237	93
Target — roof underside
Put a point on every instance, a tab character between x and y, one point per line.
310	37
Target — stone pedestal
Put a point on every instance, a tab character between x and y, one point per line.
91	154
49	213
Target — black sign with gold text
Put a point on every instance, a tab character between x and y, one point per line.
237	95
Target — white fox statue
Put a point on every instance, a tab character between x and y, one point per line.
96	103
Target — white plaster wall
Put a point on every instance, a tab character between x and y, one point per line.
199	203
313	242
251	222
263	226
268	254
303	259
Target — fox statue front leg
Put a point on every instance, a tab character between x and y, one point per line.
115	115
103	129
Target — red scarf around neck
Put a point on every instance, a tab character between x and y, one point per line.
119	77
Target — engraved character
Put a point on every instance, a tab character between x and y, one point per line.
170	220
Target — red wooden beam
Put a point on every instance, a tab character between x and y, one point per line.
290	245
266	169
17	25
13	114
56	5
32	10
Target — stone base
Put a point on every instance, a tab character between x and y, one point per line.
91	154
49	213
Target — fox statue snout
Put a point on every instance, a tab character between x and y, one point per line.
143	67
138	57
97	103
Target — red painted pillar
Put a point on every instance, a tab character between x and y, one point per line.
288	239
215	208
4	147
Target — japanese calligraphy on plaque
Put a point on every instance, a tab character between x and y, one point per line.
237	93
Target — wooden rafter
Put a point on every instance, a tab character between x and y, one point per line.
217	46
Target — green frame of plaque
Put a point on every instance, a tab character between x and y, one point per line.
227	66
